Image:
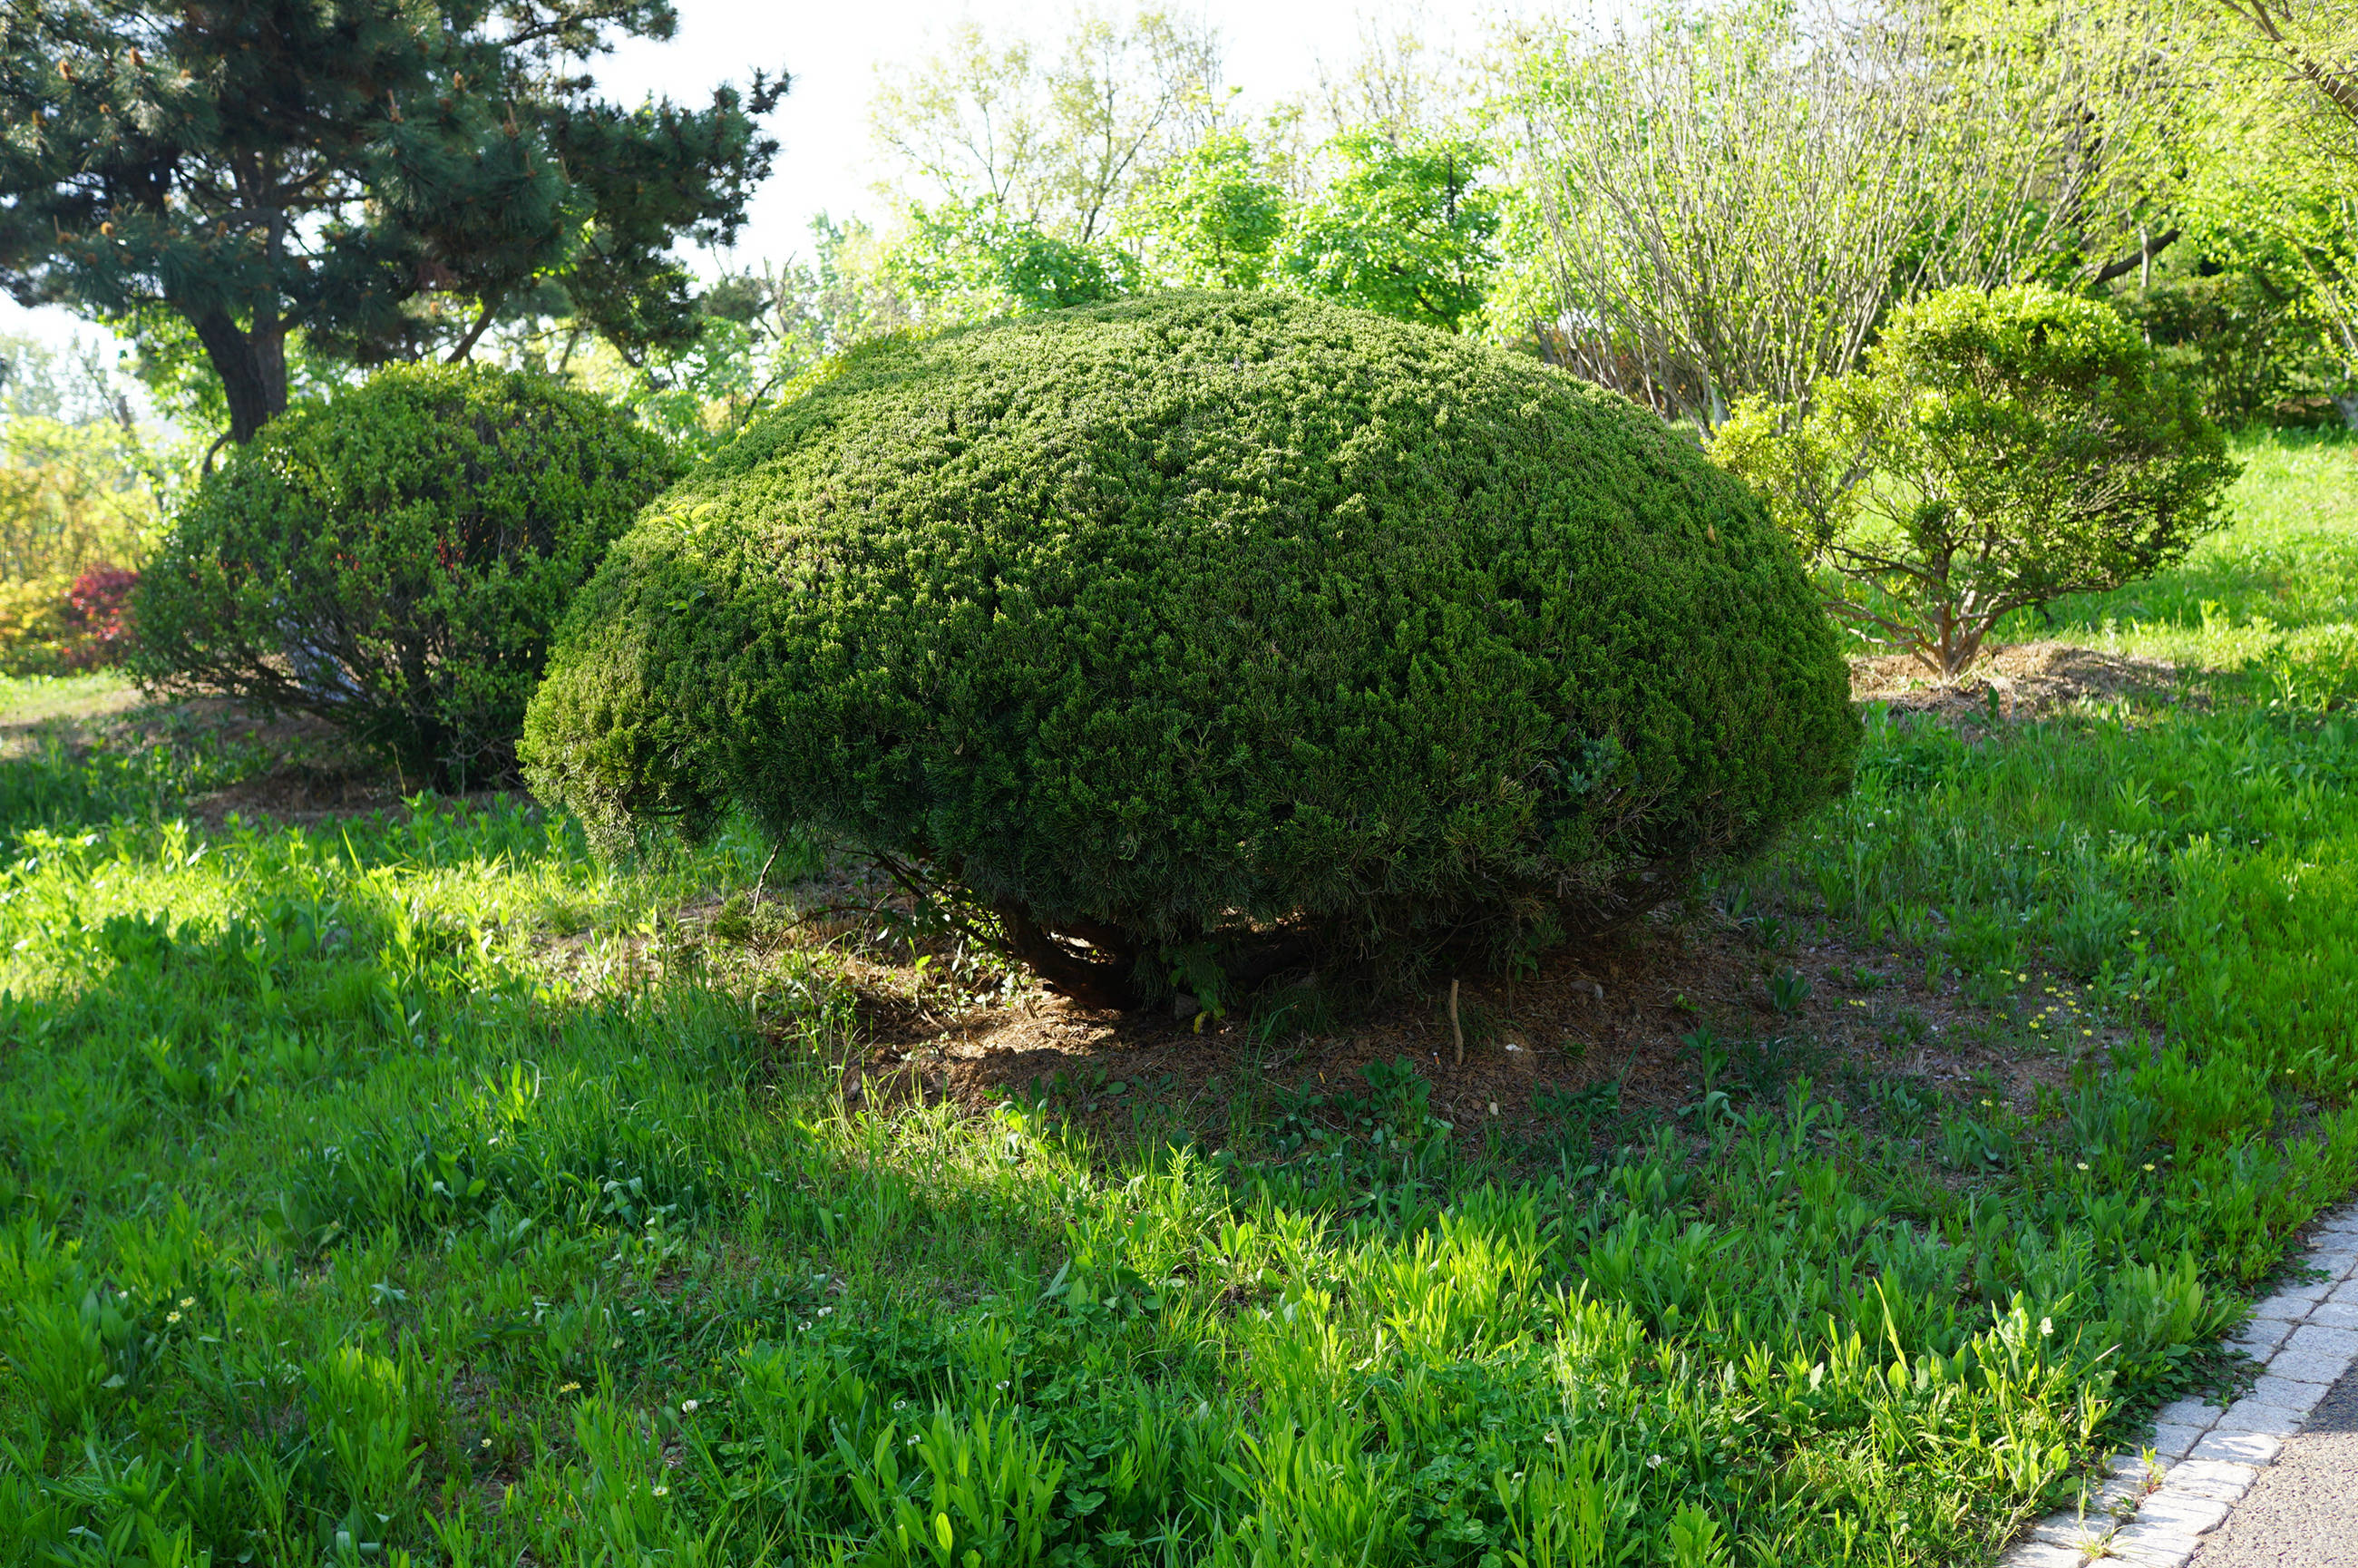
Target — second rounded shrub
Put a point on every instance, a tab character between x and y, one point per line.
1196	636
393	560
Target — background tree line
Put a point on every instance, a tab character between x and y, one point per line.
1708	207
1706	203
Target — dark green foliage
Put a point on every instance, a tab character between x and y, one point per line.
395	560
2233	336
384	179
1219	631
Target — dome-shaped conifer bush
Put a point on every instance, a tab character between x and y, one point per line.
394	559
1201	636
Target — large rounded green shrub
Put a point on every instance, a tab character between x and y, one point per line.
393	560
1212	632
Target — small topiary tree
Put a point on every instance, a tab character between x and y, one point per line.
1185	639
395	560
1999	450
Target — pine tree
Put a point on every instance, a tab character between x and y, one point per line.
385	176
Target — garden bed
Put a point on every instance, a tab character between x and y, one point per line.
1623	1029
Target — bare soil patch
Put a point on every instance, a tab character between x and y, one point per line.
2027	681
1621	1015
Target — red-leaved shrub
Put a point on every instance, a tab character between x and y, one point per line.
96	620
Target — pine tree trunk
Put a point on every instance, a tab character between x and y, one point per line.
252	366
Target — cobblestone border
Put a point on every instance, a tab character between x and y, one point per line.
2154	1511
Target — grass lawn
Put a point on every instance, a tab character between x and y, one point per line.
412	1187
26	701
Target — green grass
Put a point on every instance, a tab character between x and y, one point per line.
30	699
418	1188
2272	595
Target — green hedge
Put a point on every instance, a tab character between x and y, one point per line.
1199	635
395	560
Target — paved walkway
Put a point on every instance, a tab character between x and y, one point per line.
2302	1511
2272	1479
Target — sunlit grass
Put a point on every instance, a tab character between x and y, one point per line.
2279	582
32	699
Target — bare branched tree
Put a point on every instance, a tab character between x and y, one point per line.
1732	201
1405	82
2315	42
968	122
1062	142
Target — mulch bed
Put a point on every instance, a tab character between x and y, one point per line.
1619	1011
2029	680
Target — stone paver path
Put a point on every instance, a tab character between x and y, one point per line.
2207	1462
2302	1512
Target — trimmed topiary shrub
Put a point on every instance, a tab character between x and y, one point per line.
1185	639
395	560
2000	450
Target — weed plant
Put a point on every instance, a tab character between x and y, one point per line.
414	1189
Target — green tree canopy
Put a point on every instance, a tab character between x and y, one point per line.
1401	229
972	261
1214	216
384	178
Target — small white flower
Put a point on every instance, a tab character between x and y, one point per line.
1653	1461
2084	1164
663	1491
2046	1325
688	1407
1549	1435
1002	1382
487	1442
824	1311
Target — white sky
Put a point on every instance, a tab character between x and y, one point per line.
1272	50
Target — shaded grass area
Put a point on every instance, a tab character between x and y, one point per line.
414	1184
